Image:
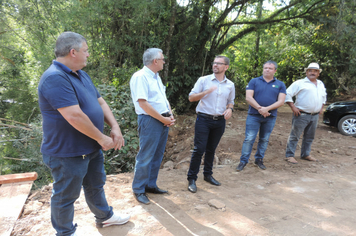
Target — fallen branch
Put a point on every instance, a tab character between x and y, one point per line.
14	140
14	126
16	159
14	121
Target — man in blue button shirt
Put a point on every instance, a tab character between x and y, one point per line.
73	114
154	117
264	95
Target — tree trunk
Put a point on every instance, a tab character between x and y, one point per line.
169	39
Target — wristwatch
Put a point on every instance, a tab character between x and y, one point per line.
232	109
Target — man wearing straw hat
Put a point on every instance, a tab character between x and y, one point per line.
310	97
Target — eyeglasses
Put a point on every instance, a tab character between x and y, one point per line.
217	63
164	60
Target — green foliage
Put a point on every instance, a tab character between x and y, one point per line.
118	32
120	102
18	102
21	151
336	33
327	40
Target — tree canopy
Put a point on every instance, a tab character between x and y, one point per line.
190	34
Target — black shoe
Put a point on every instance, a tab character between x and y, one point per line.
192	187
211	180
259	163
241	166
141	197
155	190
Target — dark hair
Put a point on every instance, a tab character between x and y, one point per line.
227	60
271	62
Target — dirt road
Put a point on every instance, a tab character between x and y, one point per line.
309	198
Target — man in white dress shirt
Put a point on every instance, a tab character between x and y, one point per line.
154	117
310	97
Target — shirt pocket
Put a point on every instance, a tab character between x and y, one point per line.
322	92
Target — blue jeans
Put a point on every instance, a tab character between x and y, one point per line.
153	138
255	124
208	133
303	123
70	174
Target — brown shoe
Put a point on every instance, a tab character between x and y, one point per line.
291	160
309	158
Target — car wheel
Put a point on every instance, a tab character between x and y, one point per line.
347	125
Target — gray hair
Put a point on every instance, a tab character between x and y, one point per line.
226	59
271	62
150	54
68	41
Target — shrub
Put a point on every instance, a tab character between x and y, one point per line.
119	100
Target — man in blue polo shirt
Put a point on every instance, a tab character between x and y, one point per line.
73	114
264	95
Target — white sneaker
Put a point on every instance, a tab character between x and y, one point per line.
74	234
114	220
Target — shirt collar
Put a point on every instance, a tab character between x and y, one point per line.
213	77
64	67
150	72
308	80
261	78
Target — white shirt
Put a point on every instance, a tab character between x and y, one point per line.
147	85
214	103
309	97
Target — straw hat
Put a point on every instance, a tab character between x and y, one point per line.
314	66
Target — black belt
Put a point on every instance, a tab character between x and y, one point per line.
166	114
210	116
312	114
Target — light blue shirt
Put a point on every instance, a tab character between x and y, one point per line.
214	103
147	85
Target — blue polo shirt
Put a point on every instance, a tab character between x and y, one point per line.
60	87
265	93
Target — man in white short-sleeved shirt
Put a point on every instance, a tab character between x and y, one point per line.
154	117
310	97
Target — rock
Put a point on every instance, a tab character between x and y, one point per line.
169	165
46	188
176	150
217	204
32	206
184	165
335	151
216	160
321	152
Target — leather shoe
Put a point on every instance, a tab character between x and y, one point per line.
259	163
192	187
241	166
142	198
211	180
155	190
